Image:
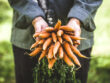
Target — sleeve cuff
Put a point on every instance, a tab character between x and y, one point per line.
82	15
27	14
35	12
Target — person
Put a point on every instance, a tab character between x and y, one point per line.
31	16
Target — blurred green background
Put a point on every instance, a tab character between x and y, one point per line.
100	65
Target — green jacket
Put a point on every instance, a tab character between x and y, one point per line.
24	11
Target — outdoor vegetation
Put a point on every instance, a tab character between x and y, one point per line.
100	64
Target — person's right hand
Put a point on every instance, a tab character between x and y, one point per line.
39	24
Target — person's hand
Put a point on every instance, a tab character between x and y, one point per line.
75	23
39	24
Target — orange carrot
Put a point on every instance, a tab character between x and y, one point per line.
67	60
76	51
76	38
60	39
58	24
70	33
54	37
76	42
41	41
36	51
70	53
49	29
47	43
66	28
61	52
50	52
43	54
51	63
60	33
67	38
38	33
56	47
44	35
35	44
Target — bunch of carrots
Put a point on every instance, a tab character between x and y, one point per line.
56	43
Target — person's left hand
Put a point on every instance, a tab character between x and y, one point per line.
75	23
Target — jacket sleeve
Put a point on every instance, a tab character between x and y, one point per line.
28	9
85	10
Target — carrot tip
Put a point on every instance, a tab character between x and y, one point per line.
86	57
77	68
26	53
38	62
33	36
84	38
30	48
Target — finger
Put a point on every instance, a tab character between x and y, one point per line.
77	42
43	27
37	28
37	38
76	45
77	33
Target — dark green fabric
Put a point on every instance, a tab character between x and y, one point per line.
24	11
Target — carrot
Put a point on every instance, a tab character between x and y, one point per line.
56	47
66	28
47	43
50	52
36	51
41	41
61	52
58	24
76	43
60	33
76	38
67	38
43	54
76	51
70	53
67	60
44	35
54	37
38	33
51	63
60	39
70	33
49	29
35	44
